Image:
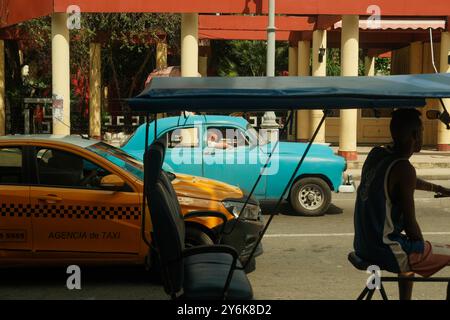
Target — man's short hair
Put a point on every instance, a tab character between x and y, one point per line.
404	123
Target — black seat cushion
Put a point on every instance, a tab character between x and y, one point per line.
220	258
168	235
153	161
205	276
358	262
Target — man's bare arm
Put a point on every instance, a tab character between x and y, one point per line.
405	181
428	186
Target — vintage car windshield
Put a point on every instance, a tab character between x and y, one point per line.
119	158
255	137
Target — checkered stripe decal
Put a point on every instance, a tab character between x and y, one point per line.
15	210
69	212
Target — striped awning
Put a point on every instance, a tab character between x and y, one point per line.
408	24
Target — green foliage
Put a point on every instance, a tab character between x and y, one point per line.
333	62
246	58
128	53
135	34
383	66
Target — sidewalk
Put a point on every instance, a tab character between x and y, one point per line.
429	163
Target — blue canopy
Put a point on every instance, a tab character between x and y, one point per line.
282	93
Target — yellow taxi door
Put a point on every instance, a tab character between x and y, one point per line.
16	237
73	215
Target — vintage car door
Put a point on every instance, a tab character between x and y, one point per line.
229	156
74	216
16	233
184	150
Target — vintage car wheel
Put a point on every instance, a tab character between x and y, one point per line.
310	197
196	237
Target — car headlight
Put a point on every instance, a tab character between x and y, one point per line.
251	211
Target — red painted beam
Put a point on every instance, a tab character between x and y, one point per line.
326	22
304	7
233	22
15	11
241	35
368	39
166	6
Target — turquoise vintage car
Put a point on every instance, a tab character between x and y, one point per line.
229	149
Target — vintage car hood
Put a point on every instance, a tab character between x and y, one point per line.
203	188
297	148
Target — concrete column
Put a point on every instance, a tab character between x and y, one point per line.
161	55
61	74
2	89
349	67
443	136
369	66
203	66
304	70
293	70
416	58
319	69
95	91
189	45
293	61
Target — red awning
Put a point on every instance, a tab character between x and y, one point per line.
404	24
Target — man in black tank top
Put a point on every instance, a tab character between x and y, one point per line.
393	237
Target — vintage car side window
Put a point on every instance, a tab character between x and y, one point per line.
11	166
65	169
225	138
183	138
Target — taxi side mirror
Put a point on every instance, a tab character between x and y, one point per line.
112	183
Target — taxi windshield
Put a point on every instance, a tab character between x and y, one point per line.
119	158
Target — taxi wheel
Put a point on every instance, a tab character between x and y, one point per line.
196	237
310	197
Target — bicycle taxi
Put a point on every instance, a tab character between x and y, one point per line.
193	273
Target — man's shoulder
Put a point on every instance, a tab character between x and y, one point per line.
404	168
376	154
381	149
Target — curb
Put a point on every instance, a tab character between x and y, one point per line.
417	165
424	176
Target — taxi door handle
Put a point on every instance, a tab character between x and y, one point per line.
51	199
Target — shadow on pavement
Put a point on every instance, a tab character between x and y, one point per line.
268	208
57	276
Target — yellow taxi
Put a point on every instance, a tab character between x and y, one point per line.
74	200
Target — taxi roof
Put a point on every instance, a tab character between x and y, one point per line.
64	139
